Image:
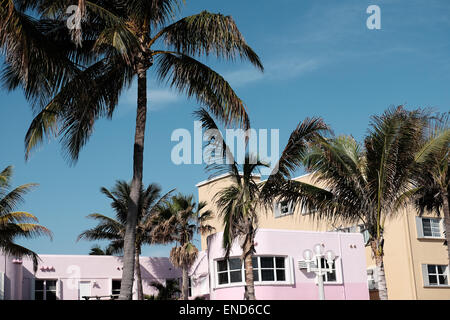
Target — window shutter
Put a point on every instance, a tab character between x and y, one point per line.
419	227
425	275
338	268
442	227
2	286
292	271
59	295
213	274
276	209
291	206
32	280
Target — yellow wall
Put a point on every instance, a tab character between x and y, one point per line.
404	252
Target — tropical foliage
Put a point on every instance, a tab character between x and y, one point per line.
74	73
432	174
357	183
167	291
98	251
17	224
113	230
238	203
180	219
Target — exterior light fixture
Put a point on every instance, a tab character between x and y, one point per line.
314	264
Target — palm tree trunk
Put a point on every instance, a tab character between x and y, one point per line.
185	284
140	291
382	288
126	287
248	265
446	210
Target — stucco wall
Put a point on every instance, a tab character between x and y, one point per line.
351	264
404	252
68	270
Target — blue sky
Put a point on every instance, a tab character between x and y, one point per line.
320	60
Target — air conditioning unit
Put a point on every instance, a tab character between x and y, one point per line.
372	285
302	264
371	282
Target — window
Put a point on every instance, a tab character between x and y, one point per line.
115	287
229	271
435	275
269	269
283	208
45	289
431	227
329	277
190	287
354	229
265	269
286	208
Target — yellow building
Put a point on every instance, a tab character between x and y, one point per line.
416	260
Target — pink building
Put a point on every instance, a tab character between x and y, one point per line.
276	270
276	267
69	277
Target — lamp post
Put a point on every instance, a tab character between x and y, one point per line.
314	264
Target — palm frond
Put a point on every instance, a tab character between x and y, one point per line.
208	33
197	80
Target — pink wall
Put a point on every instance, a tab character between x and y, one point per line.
70	269
349	249
100	270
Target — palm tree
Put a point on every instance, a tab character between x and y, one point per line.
238	203
74	76
365	184
433	173
98	251
167	291
17	224
114	229
181	218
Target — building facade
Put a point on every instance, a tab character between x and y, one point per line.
276	270
71	277
416	261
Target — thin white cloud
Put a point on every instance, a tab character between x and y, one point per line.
275	70
157	99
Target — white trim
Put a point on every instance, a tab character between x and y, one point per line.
425	276
222	176
212	275
419	227
288	270
302	176
292	271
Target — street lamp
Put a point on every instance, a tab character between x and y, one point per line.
314	264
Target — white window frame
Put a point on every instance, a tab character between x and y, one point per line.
277	209
419	227
335	268
288	272
425	274
44	291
